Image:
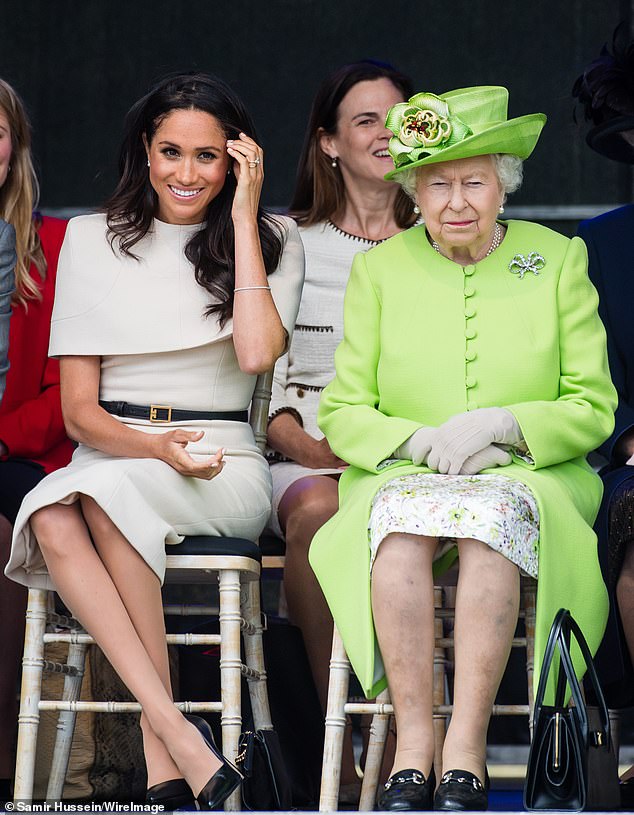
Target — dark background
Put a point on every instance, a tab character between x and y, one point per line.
80	64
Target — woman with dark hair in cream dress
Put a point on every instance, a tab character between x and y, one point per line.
167	307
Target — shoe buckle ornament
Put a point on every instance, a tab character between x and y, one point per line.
415	777
460	779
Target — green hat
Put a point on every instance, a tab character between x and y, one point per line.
468	122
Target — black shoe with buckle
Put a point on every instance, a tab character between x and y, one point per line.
460	790
407	791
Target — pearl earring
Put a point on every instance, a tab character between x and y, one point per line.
501	209
334	161
416	209
148	162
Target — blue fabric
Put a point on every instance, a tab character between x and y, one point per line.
611	269
7	284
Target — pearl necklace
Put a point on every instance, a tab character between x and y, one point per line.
497	240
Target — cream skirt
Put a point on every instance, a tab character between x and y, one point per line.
149	502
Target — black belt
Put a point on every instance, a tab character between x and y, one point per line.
165	413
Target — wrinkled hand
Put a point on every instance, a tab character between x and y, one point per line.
320	456
245	152
418	446
171	449
466	434
491	456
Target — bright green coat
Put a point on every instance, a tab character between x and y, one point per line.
425	339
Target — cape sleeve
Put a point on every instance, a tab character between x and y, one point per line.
287	280
349	415
582	417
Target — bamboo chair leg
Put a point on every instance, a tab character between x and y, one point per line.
66	721
230	670
440	684
335	725
254	657
529	599
31	691
374	758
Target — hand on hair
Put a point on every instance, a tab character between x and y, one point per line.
248	167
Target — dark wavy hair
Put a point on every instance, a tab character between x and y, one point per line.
134	203
319	189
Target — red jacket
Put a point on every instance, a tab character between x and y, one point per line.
31	424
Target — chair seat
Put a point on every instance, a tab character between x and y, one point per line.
201	545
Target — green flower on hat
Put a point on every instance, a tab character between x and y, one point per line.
422	126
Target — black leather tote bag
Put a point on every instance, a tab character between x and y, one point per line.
572	764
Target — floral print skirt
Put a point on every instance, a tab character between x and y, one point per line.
494	509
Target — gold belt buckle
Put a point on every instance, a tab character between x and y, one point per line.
155	415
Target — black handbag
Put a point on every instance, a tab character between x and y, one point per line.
572	763
266	784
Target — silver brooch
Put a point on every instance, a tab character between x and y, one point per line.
533	263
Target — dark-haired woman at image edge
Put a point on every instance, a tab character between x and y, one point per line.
343	205
179	295
606	92
471	382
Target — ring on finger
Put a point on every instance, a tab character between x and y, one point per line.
254	163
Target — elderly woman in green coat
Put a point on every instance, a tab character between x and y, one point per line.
471	382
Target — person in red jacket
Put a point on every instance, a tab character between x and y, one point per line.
33	441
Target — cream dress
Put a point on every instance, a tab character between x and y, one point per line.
302	373
145	319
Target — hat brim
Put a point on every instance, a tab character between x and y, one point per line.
515	136
607	139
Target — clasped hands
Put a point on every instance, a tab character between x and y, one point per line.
466	443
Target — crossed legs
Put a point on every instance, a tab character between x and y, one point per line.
487	605
116	596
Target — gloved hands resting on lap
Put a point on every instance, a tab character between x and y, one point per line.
465	443
418	446
491	456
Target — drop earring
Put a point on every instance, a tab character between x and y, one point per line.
501	209
334	162
416	209
148	162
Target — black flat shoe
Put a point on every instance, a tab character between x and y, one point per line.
460	790
224	781
171	795
407	791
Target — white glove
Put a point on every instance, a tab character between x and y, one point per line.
491	456
418	445
468	433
